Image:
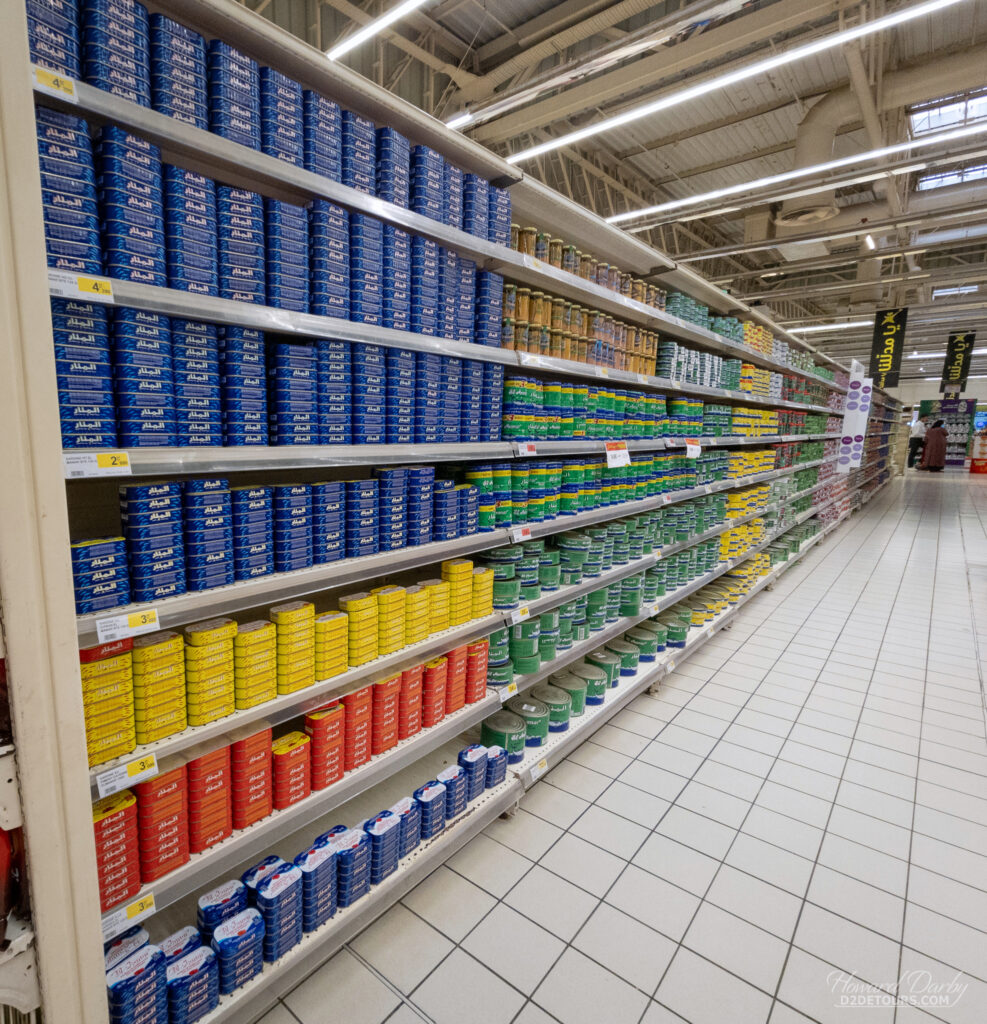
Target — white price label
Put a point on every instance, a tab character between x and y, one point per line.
538	770
643	378
671	665
126	775
693	449
508	691
116	627
527	448
708	489
527	359
80	464
122	918
54	84
519	615
617	453
603	371
520	533
65	285
665	499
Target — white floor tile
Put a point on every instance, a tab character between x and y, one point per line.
704	993
553	804
449	903
552	902
355	994
402	947
453	991
625	946
584	864
739	947
610	832
518	950
654	901
579	991
490	865
756	901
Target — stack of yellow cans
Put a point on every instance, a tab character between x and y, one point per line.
209	679
458	573
108	700
361	610
483	581
439	607
255	663
295	622
390	619
417	624
159	686
331	644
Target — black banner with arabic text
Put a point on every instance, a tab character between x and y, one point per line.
956	368
887	347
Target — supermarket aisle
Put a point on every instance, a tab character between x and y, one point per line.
799	816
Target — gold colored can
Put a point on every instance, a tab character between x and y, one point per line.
510	299
527	239
535	308
555	252
558	309
555	346
515	236
523	305
521	335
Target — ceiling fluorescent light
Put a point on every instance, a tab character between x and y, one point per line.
373	28
459	121
740	75
973	376
869	242
803	172
831	327
937	355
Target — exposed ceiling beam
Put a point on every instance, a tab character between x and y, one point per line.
545	24
977	272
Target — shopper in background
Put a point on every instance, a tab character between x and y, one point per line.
934	454
916	440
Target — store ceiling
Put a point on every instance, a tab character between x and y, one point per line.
521	67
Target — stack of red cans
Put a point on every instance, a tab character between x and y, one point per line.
359	720
410	702
327	729
292	769
117	849
434	692
476	670
386	704
210	815
162	815
253	783
456	679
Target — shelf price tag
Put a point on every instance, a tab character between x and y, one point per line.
617	453
527	359
125	775
65	285
539	769
643	378
116	627
508	691
80	464
527	448
693	449
123	917
520	533
519	615
54	84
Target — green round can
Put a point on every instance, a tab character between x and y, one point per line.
524	648
504	729
597	620
500	674
526	665
645	641
550	619
580	631
506	593
575	687
595	678
559	705
608	662
508	553
548	647
533	547
535	716
502	570
550	576
529	629
551	557
530	593
487	517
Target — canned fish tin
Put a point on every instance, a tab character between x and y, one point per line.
535	715
596	679
559	705
507	730
608	661
575	687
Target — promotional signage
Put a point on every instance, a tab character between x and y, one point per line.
858	401
956	368
887	346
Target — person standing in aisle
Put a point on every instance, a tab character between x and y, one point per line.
916	440
934	453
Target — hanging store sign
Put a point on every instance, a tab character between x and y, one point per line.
956	368
887	346
855	415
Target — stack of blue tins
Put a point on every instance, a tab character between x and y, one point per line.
328	525
286	228
400	396
279	899
427	179
421	485
281	117
396	302
471	411
498	215
334	386
318	868
476	211
448	293
152	526
99	574
393	167
323	136
84	374
293	402
488	308
178	72
234	94
361	518
115	48
195	359
369	395
493	402
240	221
329	259
53	35
244	386
469	509
359	153
424	286
190	227
452	195
465	299
207	511
144	378
133	233
445	510
253	531
367	286
392	491
451	389
292	527
428	398
68	192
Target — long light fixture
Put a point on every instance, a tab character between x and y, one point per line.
802	172
937	355
973	376
869	242
373	28
740	75
831	327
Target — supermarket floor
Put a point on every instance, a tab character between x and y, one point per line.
798	817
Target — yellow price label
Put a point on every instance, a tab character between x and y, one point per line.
139	620
98	287
54	82
141	907
142	765
112	460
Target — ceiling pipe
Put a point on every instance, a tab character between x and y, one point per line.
818	129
